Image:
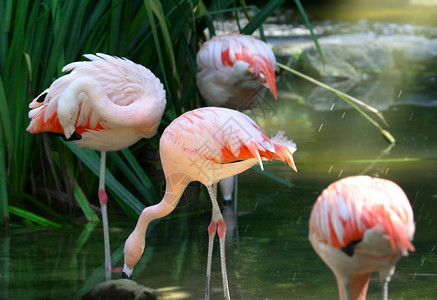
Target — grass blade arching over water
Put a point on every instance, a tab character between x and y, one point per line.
348	99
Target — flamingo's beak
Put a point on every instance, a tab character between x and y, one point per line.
265	72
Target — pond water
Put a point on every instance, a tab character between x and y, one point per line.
269	256
268	253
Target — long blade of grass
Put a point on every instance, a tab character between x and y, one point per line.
159	13
41	207
155	34
5	22
367	161
84	204
30	216
143	185
348	99
308	24
261	16
272	176
92	161
4	211
133	162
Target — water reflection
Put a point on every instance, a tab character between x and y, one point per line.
269	256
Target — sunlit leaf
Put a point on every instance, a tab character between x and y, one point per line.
27	215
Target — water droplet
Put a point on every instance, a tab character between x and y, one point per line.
332	106
422	260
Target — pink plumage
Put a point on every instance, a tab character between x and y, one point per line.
220	136
234	71
359	225
206	145
128	103
105	104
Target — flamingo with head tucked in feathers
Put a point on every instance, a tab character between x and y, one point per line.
360	225
104	104
234	71
206	145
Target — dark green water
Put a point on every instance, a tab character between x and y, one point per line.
269	256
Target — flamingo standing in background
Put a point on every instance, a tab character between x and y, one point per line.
206	145
234	71
360	225
104	104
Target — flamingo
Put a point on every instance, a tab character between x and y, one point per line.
359	225
206	145
234	71
104	104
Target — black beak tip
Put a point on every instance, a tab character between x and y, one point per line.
125	276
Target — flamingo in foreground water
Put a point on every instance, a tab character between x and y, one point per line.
234	71
104	104
360	225
206	145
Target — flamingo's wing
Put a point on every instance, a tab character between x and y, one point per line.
120	78
220	57
43	113
349	207
223	135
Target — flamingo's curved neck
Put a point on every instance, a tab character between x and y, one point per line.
128	115
173	193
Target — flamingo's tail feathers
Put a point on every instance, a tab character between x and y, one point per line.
253	148
42	121
284	149
38	101
37	119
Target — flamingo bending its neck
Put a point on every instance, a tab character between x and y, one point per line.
234	71
206	145
360	225
104	104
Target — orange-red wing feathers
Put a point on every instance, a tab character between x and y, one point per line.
224	135
349	207
51	124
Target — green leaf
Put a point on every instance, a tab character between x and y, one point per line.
353	102
149	191
4	211
313	36
84	203
29	216
92	161
272	176
261	16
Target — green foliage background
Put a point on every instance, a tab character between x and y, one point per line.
44	180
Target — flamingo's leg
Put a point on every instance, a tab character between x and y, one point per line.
217	225
103	198
212	229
